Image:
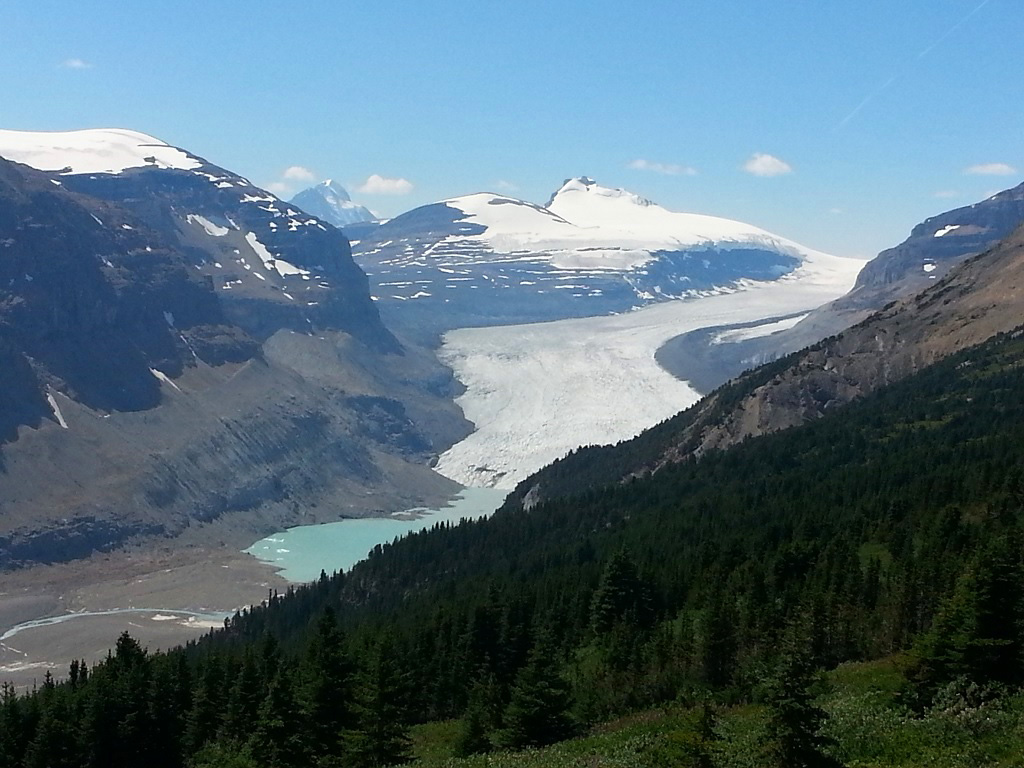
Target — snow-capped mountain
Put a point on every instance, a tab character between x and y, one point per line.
273	264
487	259
179	347
330	201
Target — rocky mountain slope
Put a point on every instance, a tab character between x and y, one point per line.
181	349
976	300
330	202
489	259
934	246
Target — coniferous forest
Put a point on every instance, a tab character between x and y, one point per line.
890	527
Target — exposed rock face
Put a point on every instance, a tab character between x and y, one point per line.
84	306
179	351
982	297
935	246
273	266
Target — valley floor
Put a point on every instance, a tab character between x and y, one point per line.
203	580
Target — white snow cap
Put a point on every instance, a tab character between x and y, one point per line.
587	204
612	227
98	150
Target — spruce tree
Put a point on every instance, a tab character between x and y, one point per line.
277	739
621	596
977	632
477	721
716	646
538	709
325	694
794	738
243	701
381	733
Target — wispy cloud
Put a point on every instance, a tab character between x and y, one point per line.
990	169
298	173
761	164
667	169
75	64
946	194
924	52
279	188
376	184
506	186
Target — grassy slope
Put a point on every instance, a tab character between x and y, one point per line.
869	725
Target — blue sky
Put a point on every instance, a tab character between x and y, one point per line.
872	115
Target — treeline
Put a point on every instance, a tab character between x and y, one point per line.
892	524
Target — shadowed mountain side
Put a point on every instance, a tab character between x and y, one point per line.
159	379
306	433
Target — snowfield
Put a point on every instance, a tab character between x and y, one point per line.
101	150
535	392
586	226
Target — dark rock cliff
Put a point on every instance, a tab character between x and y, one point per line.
181	351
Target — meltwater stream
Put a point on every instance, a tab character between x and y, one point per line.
302	552
202	620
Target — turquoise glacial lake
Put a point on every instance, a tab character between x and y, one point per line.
302	552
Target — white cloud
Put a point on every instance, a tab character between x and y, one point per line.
279	188
990	169
946	194
668	169
75	64
835	211
298	173
760	164
382	185
506	186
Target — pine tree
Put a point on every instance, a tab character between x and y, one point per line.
621	596
793	738
538	710
977	632
477	721
381	733
326	694
278	735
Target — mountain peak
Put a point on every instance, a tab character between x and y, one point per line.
330	201
332	186
586	186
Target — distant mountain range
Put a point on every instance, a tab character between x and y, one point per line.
330	202
487	259
178	345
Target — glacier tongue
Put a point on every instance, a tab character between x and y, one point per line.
536	392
